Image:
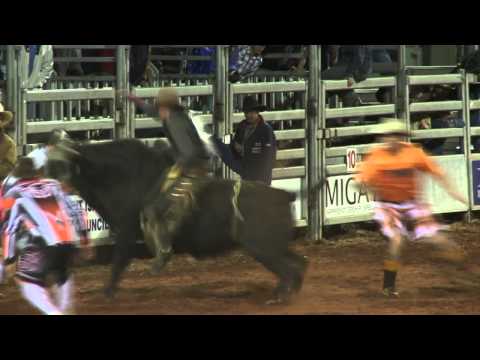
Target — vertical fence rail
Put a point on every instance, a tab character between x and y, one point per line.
220	100
11	98
314	146
402	86
12	86
229	109
20	107
467	141
122	118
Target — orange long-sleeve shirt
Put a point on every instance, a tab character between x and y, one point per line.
394	176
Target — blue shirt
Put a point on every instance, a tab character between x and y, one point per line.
32	52
202	66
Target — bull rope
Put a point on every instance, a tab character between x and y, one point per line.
237	186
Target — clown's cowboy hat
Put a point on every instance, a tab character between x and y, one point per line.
6	117
391	126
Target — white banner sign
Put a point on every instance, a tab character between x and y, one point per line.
293	186
456	169
343	199
97	227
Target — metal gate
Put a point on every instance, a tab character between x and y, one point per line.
279	120
339	205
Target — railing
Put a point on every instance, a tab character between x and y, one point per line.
295	103
455	164
338	143
71	116
344	202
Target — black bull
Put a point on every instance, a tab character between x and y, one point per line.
115	178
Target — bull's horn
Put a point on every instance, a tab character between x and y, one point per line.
68	150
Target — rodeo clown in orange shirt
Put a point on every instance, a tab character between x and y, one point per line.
391	172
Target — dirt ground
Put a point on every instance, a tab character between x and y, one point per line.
344	277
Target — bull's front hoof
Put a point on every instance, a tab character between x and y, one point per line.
157	268
273	302
279	300
284	294
159	263
282	298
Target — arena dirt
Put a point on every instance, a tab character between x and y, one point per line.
344	277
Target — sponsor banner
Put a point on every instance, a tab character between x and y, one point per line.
97	227
456	169
343	199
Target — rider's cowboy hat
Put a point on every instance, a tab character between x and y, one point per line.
391	126
251	104
6	117
167	97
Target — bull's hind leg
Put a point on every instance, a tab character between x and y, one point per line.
123	252
163	249
290	275
157	240
300	263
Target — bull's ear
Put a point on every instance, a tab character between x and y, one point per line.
63	152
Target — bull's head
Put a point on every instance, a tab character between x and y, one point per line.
62	163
